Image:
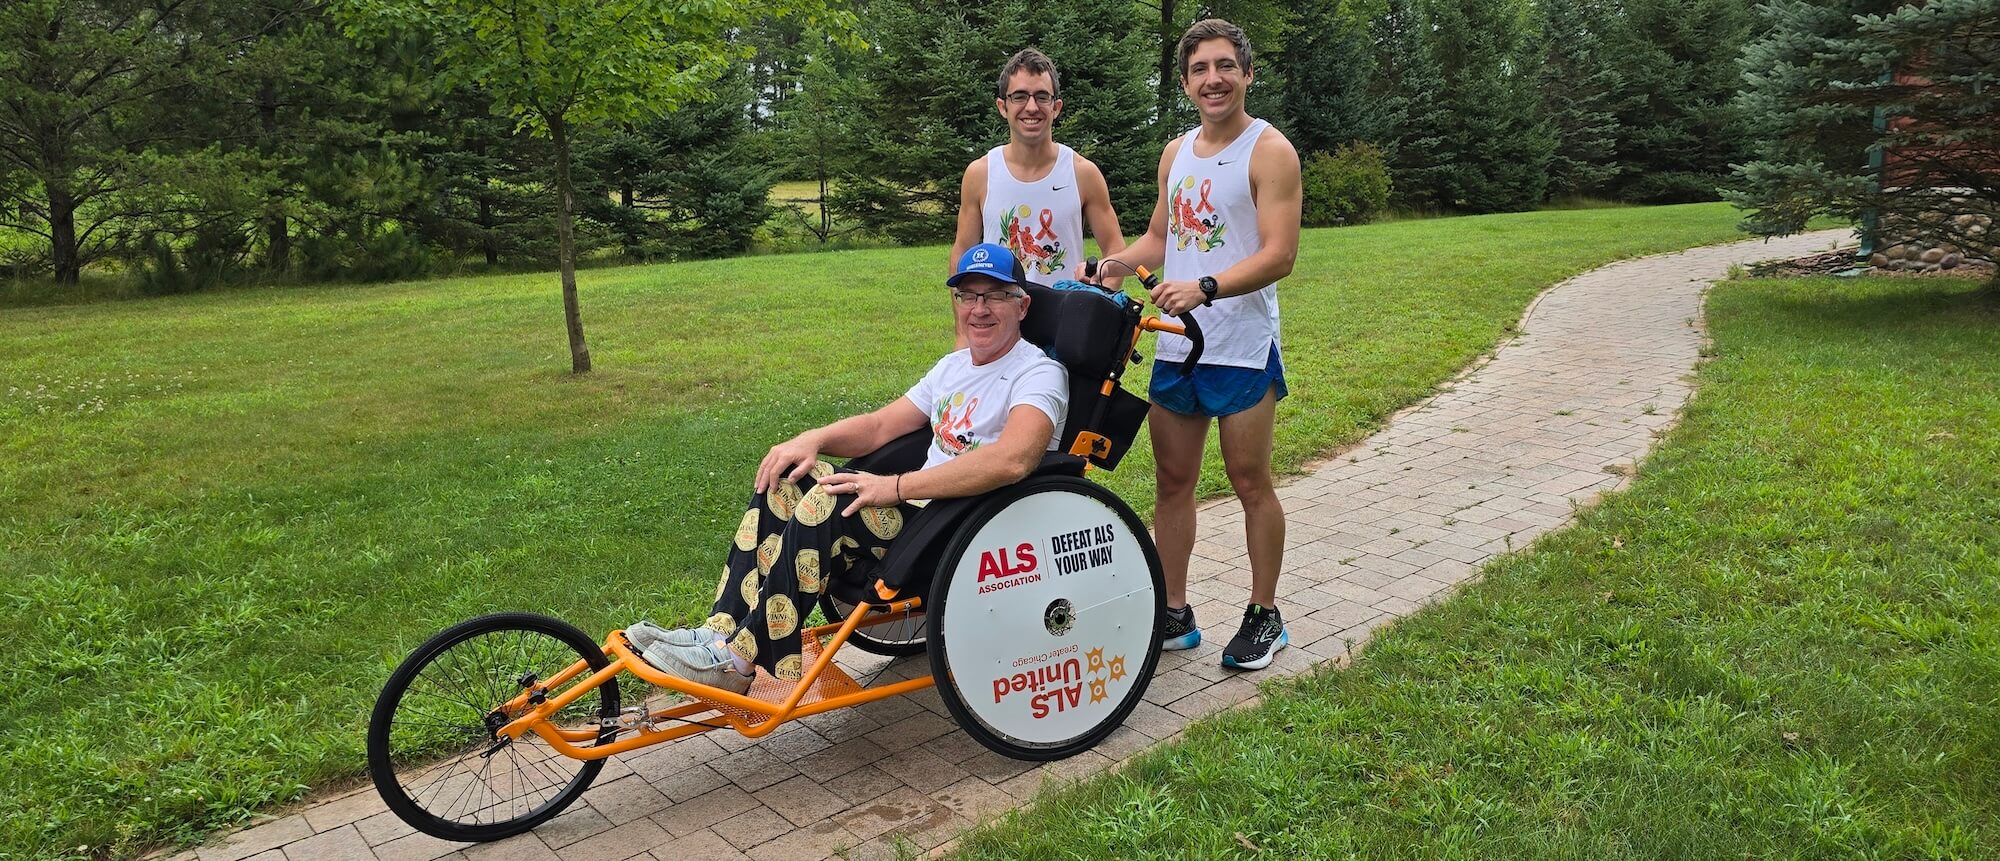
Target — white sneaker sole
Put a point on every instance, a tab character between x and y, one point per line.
1284	638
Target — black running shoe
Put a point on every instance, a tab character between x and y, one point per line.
1178	631
1262	635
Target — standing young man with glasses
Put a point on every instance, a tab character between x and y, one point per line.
1032	194
1226	228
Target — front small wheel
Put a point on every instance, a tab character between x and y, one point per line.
434	750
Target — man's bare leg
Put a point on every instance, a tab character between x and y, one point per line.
1246	455
1178	441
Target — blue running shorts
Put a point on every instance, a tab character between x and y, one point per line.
1216	390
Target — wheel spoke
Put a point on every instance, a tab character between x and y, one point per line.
442	715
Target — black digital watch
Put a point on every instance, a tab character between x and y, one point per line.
1208	288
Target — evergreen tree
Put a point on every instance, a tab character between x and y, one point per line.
926	93
1821	75
814	132
1102	57
1479	145
1332	93
1408	84
103	102
682	183
1678	129
489	181
1580	89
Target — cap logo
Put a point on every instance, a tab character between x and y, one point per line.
979	255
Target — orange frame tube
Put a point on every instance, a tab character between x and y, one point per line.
567	741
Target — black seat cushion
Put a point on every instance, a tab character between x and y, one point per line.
905	453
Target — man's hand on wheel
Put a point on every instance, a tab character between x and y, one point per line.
787	461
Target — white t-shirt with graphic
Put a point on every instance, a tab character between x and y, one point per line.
968	404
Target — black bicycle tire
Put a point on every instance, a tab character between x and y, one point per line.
382	769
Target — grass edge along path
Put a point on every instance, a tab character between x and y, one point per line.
1782	642
214	576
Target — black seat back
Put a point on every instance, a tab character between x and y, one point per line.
1090	332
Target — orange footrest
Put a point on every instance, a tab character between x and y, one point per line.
833	682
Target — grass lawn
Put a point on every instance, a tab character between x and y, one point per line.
225	516
1783	642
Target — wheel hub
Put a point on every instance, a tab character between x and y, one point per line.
1059	617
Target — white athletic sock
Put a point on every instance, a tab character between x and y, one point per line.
742	666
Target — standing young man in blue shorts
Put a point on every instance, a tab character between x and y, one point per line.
1226	228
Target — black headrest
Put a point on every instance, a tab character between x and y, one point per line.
1083	329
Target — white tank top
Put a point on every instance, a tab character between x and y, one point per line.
1211	225
1040	221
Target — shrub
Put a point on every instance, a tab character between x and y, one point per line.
1347	186
214	256
364	249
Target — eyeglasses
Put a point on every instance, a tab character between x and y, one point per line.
969	298
1043	98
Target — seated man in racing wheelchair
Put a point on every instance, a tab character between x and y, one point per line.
956	532
993	409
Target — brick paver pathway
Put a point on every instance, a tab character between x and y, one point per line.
1499	456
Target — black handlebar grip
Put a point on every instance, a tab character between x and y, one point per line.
1195	341
1089	268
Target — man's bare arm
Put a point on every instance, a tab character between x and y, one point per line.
1275	188
1006	461
1100	215
971	200
1150	250
971	203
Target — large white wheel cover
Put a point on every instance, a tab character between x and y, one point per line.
1015	665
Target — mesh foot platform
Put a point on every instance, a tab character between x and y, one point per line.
832	682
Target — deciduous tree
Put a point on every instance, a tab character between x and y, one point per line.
560	67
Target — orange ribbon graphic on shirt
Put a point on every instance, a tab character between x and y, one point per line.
1048	225
1205	206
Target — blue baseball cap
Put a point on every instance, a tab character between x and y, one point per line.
988	259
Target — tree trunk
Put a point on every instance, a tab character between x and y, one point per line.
1169	43
62	235
579	353
277	229
486	228
825	217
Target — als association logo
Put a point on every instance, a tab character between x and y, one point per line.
998	570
